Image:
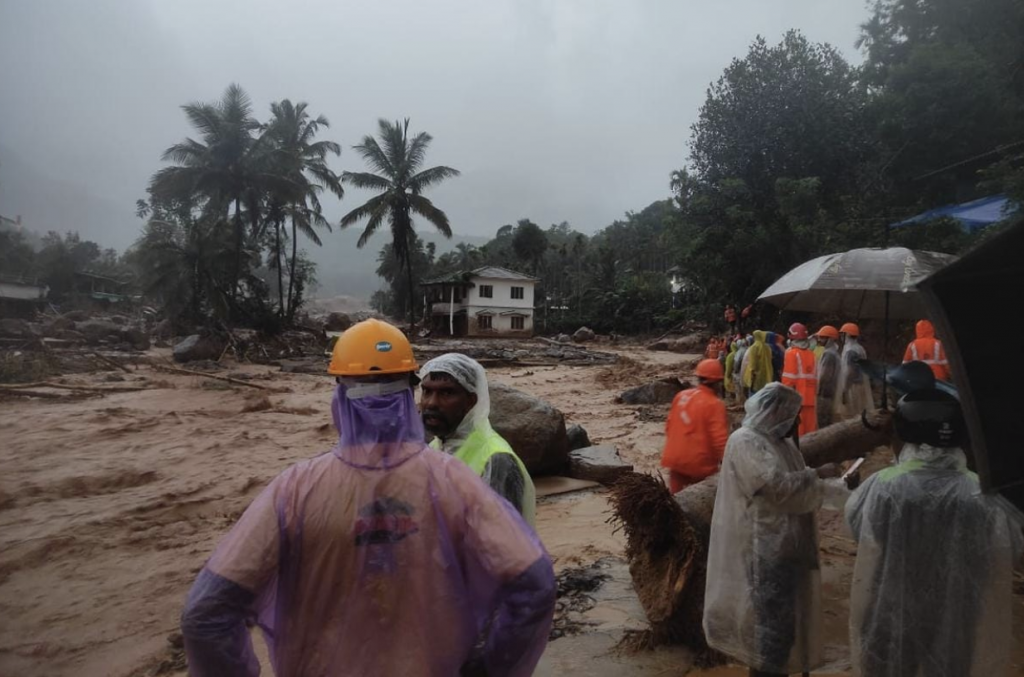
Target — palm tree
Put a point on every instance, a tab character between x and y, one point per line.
223	167
395	162
302	162
468	256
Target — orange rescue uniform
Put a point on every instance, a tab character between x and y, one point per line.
928	349
800	372
695	436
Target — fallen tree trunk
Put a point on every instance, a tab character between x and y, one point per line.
234	381
667	536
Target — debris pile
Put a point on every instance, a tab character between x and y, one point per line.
575	586
496	353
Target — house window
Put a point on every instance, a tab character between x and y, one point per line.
484	321
517	293
486	291
518	321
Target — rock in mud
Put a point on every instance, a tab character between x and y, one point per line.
656	392
578	437
313	365
164	329
563	338
337	322
584	335
96	331
534	429
136	337
119	320
77	315
197	347
597	464
694	343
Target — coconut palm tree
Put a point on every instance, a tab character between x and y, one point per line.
302	161
396	162
224	167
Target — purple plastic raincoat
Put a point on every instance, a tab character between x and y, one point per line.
381	557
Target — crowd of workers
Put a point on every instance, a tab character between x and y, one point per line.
391	556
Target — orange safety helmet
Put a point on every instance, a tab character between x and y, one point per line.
828	331
850	328
797	331
372	347
710	370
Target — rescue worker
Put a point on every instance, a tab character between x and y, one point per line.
821	341
730	318
800	372
379	557
829	363
730	366
762	603
932	584
928	349
757	364
853	390
776	343
696	430
737	369
455	404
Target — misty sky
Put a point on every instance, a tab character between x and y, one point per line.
558	110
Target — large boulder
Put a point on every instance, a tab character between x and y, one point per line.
337	322
694	343
656	392
578	437
97	331
12	327
119	320
597	464
196	347
584	335
534	429
77	315
164	329
135	336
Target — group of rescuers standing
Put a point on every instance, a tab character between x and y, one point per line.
391	556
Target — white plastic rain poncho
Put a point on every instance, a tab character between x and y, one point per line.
853	390
931	593
829	366
762	602
380	557
477	444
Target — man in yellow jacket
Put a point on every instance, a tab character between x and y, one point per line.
455	405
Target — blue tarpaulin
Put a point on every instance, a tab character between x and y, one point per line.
971	215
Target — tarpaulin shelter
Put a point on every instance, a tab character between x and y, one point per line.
960	299
971	215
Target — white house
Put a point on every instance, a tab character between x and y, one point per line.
488	301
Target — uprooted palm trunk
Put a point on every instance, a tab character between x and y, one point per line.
667	536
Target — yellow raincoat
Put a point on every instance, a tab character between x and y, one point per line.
758	372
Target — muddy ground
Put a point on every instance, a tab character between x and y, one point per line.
109	506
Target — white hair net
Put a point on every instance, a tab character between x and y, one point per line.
772	410
469	374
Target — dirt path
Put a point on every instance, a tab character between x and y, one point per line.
109	506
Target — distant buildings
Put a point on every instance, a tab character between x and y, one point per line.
488	301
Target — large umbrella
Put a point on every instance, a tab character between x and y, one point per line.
969	302
858	284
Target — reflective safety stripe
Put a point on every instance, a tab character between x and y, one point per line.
812	376
936	354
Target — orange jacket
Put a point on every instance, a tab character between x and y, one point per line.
800	372
928	349
695	433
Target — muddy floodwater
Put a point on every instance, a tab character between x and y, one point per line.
109	506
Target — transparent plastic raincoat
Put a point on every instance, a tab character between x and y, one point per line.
737	370
757	364
829	364
477	444
762	602
931	593
380	557
853	390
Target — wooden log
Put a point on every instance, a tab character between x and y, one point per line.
67	386
226	379
112	363
19	392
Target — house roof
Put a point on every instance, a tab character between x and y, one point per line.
460	278
496	273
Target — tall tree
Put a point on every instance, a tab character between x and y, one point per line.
301	160
224	167
396	161
529	243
